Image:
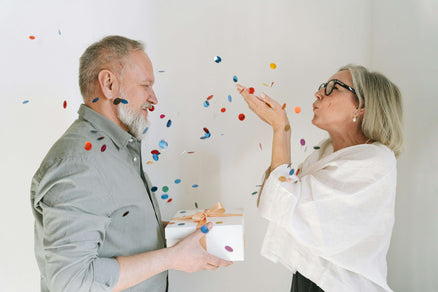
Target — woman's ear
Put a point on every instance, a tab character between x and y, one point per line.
108	84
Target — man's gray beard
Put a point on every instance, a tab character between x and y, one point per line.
133	119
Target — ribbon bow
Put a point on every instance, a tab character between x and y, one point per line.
217	210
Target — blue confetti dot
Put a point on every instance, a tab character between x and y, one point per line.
124	101
145	130
155	157
26	101
154	189
59	31
292	171
95	100
195	186
181	224
217	59
235	78
204	229
183	212
229	98
93	131
169	123
177	181
165	196
206	103
163	144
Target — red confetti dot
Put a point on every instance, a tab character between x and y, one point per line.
298	171
151	109
162	116
241	117
206	130
223	109
210	97
88	146
65	104
283	107
155	152
32	37
126	213
103	148
251	90
170	200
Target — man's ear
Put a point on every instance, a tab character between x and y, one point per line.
108	84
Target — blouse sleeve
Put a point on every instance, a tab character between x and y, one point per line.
333	208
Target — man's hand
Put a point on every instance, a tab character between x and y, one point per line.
189	256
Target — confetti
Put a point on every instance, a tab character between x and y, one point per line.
297	109
181	224
165	189
219	222
162	116
282	178
93	131
230	99
204	229
177	181
302	142
154	189
195	186
169	123
124	101
155	152
65	104
272	83
170	200
100	138
217	59
206	103
32	37
273	65
59	31
145	130
95	100
183	212
253	193
103	148
287	127
291	172
210	97
235	79
316	147
155	157
88	146
151	109
298	171
260	145
163	144
241	117
126	213
165	197
26	101
117	101
251	90
284	106
223	109
150	162
228	248
161	71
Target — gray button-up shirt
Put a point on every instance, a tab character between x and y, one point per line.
91	206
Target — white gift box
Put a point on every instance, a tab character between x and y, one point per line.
225	240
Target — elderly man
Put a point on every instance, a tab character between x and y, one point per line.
97	223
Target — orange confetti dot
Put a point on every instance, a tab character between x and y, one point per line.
284	106
297	109
251	90
210	97
88	146
273	65
32	37
150	162
282	178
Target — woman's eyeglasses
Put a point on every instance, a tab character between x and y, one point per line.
329	86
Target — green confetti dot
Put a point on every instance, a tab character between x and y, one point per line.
165	189
254	193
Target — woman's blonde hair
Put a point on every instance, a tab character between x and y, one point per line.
381	99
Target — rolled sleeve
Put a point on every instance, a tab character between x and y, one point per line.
74	227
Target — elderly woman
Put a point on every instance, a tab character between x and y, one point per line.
330	222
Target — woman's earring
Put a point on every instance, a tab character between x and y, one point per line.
354	119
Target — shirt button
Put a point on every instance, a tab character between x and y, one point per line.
135	158
131	140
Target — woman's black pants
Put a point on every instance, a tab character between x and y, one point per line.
302	284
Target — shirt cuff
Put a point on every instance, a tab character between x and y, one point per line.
106	272
280	195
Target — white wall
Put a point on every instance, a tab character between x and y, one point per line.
308	41
405	46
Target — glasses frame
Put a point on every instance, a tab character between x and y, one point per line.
336	81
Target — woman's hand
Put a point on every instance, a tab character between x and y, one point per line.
266	108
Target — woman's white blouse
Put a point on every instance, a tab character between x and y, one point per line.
333	221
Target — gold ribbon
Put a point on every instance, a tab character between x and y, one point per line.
217	210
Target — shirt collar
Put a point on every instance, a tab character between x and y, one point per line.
102	124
